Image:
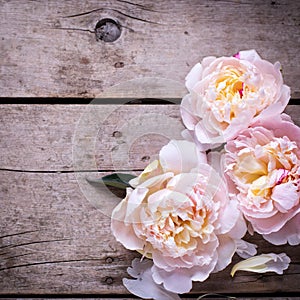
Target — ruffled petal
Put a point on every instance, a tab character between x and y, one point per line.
178	281
144	286
290	233
286	196
245	249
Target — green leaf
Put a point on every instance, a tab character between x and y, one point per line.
116	180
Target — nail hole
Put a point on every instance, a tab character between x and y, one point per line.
109	260
109	280
119	64
145	158
117	134
107	30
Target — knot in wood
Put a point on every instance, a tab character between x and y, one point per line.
107	30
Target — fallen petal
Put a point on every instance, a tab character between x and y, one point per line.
263	263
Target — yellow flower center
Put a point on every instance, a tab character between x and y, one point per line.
267	166
177	227
229	93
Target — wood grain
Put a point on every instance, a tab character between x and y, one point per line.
54	241
88	137
49	49
55	227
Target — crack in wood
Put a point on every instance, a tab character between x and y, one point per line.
18	233
15	256
138	5
74	29
113	10
31	243
51	262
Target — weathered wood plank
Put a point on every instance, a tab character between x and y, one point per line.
100	137
55	228
54	241
88	137
49	49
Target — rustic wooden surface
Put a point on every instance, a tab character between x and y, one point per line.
55	228
49	49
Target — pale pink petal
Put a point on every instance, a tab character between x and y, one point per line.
245	249
271	224
133	204
290	233
156	180
239	229
180	156
249	55
228	216
278	107
208	60
188	135
178	282
122	231
225	250
189	118
144	286
207	140
193	76
184	183
201	273
238	124
286	196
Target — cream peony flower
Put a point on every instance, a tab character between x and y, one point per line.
179	215
227	94
264	164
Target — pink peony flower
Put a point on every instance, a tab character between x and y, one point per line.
179	215
228	94
264	164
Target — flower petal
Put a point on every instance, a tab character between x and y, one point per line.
263	263
225	250
153	169
245	249
285	195
120	229
193	76
290	233
144	286
180	156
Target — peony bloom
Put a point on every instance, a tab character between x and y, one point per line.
179	215
227	94
264	164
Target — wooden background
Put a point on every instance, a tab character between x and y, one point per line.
55	235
